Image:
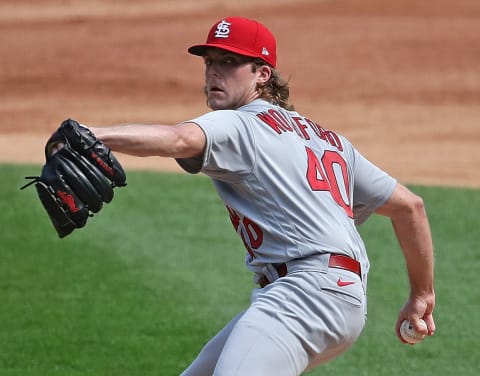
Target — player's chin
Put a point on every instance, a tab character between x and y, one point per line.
218	101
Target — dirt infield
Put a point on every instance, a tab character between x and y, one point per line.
400	79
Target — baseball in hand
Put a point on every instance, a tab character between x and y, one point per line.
409	334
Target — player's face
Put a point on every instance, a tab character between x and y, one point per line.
230	81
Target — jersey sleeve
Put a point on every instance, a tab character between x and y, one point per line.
372	187
229	146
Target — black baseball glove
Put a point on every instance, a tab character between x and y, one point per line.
78	177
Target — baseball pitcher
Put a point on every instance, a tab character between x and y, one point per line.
295	193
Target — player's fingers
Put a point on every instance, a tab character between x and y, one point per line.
419	325
430	324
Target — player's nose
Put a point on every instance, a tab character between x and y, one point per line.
212	70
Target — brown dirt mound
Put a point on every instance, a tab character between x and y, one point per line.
400	79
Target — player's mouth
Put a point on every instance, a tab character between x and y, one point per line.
215	89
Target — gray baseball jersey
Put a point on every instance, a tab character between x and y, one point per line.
291	187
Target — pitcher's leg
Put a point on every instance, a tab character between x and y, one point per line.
260	345
205	362
299	321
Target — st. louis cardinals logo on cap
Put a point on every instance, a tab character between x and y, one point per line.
241	36
223	29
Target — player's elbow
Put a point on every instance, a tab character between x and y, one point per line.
416	206
188	141
411	206
403	203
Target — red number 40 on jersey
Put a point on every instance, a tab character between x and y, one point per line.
329	173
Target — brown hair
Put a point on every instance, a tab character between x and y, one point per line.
276	89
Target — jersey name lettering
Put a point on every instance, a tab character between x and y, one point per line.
282	122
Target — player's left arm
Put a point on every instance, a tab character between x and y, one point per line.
410	222
184	140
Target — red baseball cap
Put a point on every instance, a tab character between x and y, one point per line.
242	36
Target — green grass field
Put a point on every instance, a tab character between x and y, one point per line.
157	272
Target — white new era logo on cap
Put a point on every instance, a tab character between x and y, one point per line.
265	52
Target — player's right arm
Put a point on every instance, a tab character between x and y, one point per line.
184	140
409	219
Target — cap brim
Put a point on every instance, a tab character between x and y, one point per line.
199	49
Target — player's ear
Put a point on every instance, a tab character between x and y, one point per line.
264	73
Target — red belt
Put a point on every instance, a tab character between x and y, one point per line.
335	261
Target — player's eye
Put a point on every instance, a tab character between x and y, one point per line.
229	61
236	60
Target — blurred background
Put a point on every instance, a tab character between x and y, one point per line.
142	287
